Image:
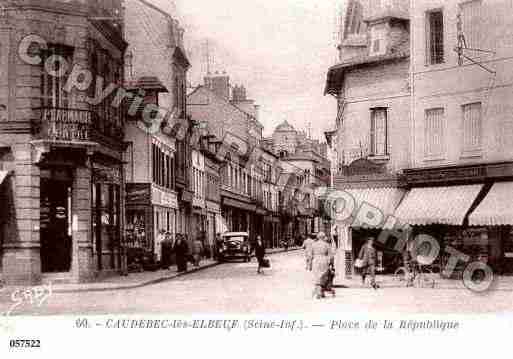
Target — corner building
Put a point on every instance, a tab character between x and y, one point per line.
60	157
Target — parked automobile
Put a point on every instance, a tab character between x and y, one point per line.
234	245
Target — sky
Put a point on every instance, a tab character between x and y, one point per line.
280	50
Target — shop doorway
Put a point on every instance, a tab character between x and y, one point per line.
388	259
55	221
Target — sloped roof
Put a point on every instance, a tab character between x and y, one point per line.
336	73
147	83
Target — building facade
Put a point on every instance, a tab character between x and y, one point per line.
304	167
461	130
371	84
439	111
62	154
156	172
232	122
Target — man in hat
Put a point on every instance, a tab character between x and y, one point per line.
369	257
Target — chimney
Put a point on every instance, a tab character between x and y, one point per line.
219	84
239	94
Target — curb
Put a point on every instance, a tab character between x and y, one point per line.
153	281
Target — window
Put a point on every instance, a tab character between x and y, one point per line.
162	168
375	46
472	127
435	37
434	132
471	20
378	36
52	87
379	132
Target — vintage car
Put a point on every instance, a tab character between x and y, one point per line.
234	245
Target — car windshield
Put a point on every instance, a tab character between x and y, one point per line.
235	238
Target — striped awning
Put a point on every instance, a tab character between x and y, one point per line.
437	205
384	199
496	209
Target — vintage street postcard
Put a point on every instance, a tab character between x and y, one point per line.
256	178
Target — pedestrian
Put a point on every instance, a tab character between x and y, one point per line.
322	257
260	254
307	244
197	251
368	256
218	245
158	245
181	250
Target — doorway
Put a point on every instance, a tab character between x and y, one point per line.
55	222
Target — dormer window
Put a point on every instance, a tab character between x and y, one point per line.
378	35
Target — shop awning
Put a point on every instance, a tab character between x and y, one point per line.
385	199
238	204
437	205
496	209
3	175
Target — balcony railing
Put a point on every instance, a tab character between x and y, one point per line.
63	124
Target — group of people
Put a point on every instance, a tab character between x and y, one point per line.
320	258
182	250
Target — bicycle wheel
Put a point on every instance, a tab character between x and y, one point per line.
400	275
425	279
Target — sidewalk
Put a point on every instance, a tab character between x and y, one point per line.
504	283
134	280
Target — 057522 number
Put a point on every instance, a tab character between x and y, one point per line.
24	343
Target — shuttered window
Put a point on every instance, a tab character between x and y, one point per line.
379	132
471	21
434	132
472	127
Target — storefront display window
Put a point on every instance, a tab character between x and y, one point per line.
105	191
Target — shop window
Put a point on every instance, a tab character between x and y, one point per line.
435	37
434	133
472	127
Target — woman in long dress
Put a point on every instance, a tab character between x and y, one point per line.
322	256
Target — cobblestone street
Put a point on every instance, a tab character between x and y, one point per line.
235	288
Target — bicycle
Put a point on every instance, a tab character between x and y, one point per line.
420	275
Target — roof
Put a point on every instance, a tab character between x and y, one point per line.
156	8
496	208
200	87
336	73
437	205
147	83
284	127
